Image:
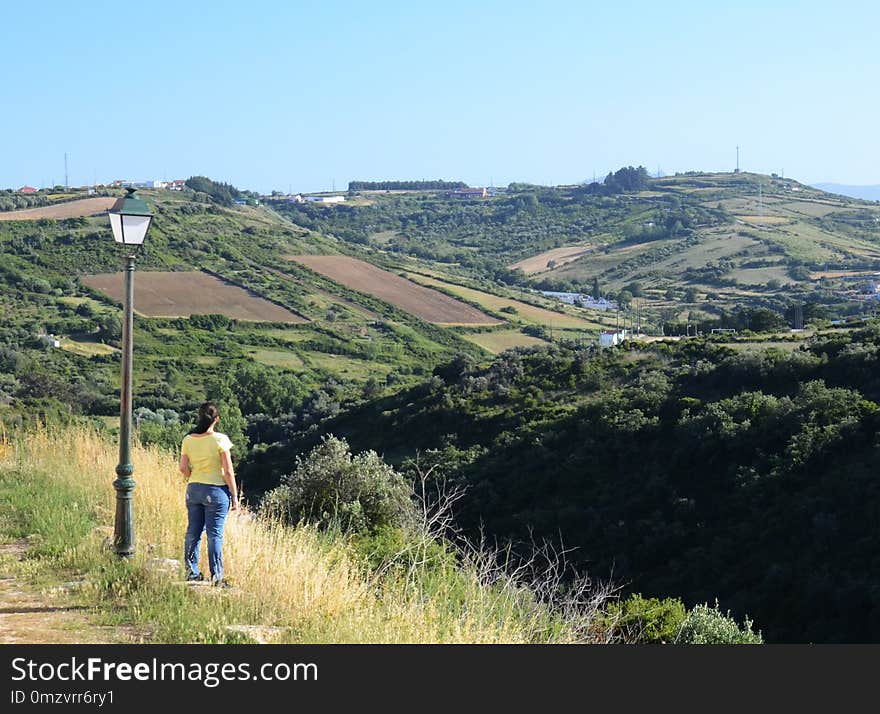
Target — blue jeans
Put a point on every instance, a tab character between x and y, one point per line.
206	506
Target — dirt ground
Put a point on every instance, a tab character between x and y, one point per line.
429	305
560	256
192	293
73	209
29	615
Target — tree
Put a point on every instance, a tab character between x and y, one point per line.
110	327
596	293
635	289
690	295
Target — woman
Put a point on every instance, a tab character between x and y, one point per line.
210	494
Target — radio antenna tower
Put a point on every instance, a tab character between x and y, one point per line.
66	182
737	160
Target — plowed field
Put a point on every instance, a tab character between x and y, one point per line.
184	294
74	209
429	305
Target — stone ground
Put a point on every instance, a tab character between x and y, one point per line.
30	615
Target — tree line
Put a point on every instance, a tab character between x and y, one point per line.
438	185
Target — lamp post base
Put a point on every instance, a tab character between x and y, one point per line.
123	529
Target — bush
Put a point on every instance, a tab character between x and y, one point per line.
647	620
330	487
706	625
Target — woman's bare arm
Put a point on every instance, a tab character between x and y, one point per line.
184	465
229	477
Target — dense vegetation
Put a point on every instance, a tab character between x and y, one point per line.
693	470
438	185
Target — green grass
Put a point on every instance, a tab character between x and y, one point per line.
525	313
496	342
278	358
348	367
85	348
760	276
51	516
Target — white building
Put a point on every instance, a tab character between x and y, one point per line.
581	300
611	338
325	199
50	340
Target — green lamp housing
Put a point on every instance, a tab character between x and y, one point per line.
130	218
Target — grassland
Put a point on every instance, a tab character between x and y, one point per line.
86	348
495	342
524	312
278	358
557	256
294	585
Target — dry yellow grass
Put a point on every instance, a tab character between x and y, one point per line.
305	582
558	256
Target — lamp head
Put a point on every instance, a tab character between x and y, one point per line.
130	218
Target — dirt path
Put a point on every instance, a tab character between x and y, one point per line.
31	616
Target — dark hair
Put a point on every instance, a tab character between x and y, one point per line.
208	412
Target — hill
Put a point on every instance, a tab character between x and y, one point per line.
692	246
698	469
293	352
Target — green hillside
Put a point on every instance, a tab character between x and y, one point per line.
694	244
695	469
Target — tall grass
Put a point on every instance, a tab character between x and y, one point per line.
314	586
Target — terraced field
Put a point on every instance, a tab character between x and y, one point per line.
524	312
429	305
496	342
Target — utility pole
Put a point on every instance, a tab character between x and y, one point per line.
66	182
737	160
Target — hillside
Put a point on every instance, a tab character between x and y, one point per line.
291	585
698	469
386	319
688	245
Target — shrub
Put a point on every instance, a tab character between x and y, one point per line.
647	620
706	625
330	487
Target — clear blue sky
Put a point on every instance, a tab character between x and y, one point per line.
274	95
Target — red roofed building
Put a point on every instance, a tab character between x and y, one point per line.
27	189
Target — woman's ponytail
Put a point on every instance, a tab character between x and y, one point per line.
208	412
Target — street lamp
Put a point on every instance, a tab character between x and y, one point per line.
129	218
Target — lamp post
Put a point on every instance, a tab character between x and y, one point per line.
129	218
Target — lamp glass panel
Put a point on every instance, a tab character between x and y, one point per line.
134	229
116	225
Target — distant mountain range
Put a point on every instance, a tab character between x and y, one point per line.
870	193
